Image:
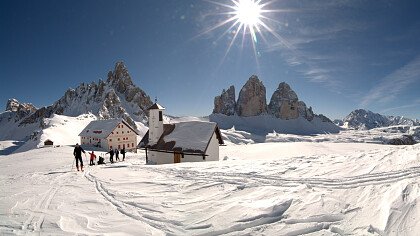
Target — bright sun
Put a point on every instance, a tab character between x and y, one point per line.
248	12
246	17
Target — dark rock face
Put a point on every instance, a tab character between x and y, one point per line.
404	140
252	98
305	112
225	103
284	103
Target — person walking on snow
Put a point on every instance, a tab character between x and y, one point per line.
111	155
116	155
92	158
77	153
123	153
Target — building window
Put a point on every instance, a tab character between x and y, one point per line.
132	144
119	146
118	139
117	132
160	116
122	132
110	147
110	140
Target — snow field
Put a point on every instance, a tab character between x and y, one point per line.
260	189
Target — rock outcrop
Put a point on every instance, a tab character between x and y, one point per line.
225	103
284	103
305	112
403	140
252	98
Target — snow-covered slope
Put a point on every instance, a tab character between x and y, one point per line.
264	124
378	135
260	189
62	130
364	119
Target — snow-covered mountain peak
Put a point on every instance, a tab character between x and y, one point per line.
15	106
117	97
365	119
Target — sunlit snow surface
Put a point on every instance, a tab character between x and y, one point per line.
260	189
274	184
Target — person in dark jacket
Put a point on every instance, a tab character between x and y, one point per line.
123	153
101	161
77	153
111	155
116	155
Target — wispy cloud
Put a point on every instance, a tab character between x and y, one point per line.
394	84
313	36
416	103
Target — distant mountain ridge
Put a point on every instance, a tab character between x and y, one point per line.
284	103
117	97
361	119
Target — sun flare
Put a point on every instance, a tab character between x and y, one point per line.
248	12
247	18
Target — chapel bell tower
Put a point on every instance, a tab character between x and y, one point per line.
155	122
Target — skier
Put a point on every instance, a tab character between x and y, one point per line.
111	155
123	153
116	155
77	153
92	158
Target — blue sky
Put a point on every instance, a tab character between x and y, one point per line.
337	55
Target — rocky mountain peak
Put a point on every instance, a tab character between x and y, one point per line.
20	110
12	105
252	98
117	97
15	106
120	75
226	102
285	92
284	103
365	119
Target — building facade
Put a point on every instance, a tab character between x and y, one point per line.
193	141
109	134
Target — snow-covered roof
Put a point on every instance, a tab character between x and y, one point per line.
187	137
103	128
156	106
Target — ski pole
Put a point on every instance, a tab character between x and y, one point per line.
74	159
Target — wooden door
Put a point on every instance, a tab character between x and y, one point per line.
177	157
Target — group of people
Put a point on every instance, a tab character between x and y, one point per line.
78	150
116	153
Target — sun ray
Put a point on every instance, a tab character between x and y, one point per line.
249	18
